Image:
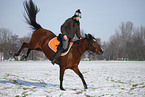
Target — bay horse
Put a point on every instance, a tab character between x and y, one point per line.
41	37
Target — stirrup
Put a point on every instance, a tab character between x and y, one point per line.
56	56
53	61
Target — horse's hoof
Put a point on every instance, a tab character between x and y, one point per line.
62	89
85	87
15	54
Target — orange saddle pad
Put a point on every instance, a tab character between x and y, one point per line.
53	43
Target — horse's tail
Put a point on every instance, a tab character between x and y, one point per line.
31	11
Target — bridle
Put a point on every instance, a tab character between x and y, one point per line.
91	44
88	47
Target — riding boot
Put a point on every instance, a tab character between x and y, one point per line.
57	55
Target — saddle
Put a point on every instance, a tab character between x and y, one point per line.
54	44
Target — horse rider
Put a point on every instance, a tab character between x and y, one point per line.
69	28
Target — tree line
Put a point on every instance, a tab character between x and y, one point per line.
128	43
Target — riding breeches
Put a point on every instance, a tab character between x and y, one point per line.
65	43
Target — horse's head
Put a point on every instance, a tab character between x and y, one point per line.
93	45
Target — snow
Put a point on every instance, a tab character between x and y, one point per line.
41	78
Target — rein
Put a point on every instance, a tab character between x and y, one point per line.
78	47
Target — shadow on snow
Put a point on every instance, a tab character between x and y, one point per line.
28	83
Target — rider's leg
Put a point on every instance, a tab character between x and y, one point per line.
58	53
65	43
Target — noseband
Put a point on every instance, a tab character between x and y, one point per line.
91	44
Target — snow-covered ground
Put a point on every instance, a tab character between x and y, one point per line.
104	78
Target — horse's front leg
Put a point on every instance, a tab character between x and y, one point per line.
62	70
77	71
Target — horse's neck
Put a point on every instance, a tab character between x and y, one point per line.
82	46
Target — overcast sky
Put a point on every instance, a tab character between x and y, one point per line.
99	17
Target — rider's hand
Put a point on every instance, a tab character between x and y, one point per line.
65	37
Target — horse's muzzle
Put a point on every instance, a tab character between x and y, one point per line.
100	52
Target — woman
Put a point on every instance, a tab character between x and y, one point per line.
69	28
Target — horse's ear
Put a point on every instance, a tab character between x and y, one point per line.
90	36
86	36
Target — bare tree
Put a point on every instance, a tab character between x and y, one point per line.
5	41
127	43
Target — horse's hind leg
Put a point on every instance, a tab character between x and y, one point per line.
26	56
24	45
28	52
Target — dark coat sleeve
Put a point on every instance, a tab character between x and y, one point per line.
63	27
78	32
70	28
